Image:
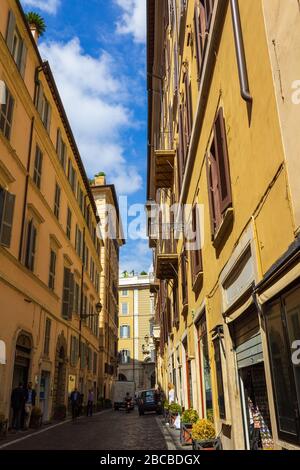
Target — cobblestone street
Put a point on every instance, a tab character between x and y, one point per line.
105	431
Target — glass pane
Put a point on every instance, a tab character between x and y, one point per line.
281	360
292	307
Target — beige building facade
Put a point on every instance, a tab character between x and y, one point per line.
108	210
136	322
49	241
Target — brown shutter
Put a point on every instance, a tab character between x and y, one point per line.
10	30
7	215
196	253
203	32
188	106
66	294
210	196
71	296
223	163
48	118
23	59
184	278
40	97
209	5
198	38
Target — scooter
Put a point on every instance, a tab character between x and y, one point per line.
128	406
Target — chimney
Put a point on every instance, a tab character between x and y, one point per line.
34	32
100	180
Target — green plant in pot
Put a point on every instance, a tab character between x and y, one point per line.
203	434
175	409
188	418
37	22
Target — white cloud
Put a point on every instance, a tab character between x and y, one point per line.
94	96
49	6
133	19
138	258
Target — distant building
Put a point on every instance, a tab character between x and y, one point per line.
106	200
136	322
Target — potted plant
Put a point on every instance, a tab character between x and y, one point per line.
36	22
36	417
60	412
188	418
3	426
174	410
204	435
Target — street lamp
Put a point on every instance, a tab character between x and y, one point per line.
84	316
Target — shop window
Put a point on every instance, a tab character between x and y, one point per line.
283	327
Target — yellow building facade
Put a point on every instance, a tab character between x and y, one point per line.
222	144
108	210
50	246
136	322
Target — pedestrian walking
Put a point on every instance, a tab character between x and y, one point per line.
90	403
30	396
17	404
75	403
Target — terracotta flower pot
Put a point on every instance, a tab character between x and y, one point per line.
185	434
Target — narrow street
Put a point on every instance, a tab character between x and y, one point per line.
108	430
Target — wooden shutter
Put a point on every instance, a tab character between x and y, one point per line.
184	278
196	257
58	144
188	107
213	193
7	215
30	246
222	162
175	303
209	5
66	293
71	296
40	97
23	59
48	118
198	38
10	30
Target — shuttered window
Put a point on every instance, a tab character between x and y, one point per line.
6	114
30	246
188	109
52	270
219	187
47	336
16	44
61	150
7	206
69	223
196	252
43	107
74	353
57	201
78	241
184	287
38	164
68	294
95	363
219	374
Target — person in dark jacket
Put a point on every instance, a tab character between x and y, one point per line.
75	403
30	396
17	404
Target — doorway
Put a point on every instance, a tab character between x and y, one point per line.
255	407
44	395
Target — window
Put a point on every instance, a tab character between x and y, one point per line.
69	223
47	336
74	353
184	286
204	365
83	355
52	270
72	176
124	308
38	162
95	363
196	252
125	331
61	150
15	44
68	294
78	241
57	201
175	303
219	373
6	114
202	22
219	188
80	197
124	293
77	298
283	328
30	245
43	107
86	258
125	356
188	110
7	206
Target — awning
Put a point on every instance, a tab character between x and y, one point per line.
281	284
2	352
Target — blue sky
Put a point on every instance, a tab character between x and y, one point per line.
96	49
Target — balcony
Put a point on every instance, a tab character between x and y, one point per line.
164	168
154	286
166	260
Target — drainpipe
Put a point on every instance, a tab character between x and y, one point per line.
240	51
38	70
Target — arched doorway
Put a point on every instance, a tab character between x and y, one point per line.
59	390
22	360
122	378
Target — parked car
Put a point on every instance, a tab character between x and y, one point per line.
149	400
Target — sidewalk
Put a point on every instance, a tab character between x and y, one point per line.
172	436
